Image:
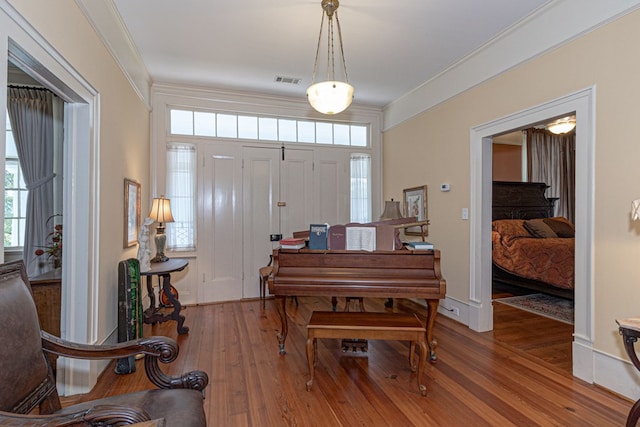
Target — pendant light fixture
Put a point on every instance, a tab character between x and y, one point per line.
562	126
330	96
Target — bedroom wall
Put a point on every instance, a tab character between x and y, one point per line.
123	138
507	162
433	148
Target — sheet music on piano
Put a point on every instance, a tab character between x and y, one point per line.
360	238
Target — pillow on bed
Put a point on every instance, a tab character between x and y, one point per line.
539	228
510	229
561	226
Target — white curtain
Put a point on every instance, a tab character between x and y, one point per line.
181	189
360	188
31	115
551	159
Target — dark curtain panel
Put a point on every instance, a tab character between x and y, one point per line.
551	159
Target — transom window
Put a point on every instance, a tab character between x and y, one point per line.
226	125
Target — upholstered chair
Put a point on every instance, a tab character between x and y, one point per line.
27	384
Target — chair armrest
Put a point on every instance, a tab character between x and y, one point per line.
161	347
156	348
98	415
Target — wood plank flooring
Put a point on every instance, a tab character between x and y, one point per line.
480	379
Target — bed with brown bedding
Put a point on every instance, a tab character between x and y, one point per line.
531	248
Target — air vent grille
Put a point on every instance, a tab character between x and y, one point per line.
288	80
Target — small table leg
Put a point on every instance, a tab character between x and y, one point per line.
152	296
630	337
175	314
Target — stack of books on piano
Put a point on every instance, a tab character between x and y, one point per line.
292	243
418	246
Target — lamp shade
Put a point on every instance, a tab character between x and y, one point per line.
330	97
161	210
391	210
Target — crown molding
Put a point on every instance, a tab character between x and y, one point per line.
518	44
103	16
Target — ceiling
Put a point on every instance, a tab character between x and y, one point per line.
391	47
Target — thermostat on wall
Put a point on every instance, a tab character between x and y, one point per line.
445	187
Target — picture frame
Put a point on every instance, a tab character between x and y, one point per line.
132	191
415	205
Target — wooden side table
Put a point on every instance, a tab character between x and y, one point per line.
47	290
630	331
163	270
47	294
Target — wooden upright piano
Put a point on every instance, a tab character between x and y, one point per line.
382	274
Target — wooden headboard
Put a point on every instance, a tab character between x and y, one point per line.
521	200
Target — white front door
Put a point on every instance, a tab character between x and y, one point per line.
246	194
277	199
219	225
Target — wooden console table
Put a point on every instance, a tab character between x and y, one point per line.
382	274
163	270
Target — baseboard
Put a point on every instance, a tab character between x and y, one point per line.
454	309
617	375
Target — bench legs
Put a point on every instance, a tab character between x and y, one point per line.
312	354
312	358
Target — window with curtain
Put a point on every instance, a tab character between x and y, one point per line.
15	195
360	187
181	190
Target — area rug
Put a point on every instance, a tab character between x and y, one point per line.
545	305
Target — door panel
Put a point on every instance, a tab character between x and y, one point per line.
220	225
261	177
332	186
296	189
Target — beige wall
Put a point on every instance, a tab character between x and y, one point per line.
123	134
507	162
434	147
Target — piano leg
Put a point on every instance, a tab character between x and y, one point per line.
281	303
432	311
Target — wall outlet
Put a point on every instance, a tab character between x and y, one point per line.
455	311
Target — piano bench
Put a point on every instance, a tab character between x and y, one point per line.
368	325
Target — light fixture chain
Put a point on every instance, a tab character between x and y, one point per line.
331	59
315	64
344	62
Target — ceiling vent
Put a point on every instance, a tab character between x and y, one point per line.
288	80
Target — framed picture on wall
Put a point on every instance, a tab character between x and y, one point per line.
131	212
415	205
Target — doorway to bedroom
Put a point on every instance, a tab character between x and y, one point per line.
581	103
532	266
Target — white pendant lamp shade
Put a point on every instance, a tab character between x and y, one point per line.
330	97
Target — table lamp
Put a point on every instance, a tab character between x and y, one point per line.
161	213
391	210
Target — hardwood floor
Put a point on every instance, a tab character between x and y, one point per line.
539	337
478	380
